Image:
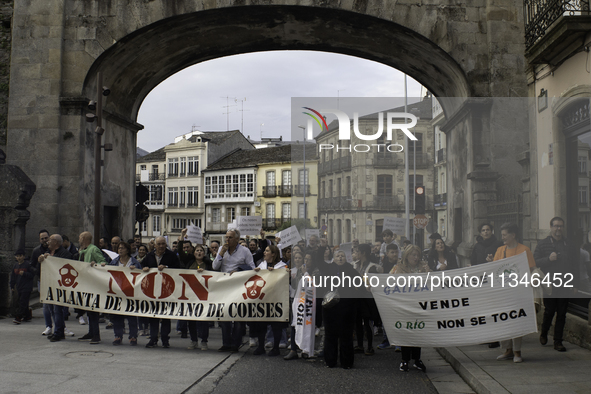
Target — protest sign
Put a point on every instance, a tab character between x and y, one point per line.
310	232
249	225
304	316
289	236
397	225
484	303
194	235
167	294
110	253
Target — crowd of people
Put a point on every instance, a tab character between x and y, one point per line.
349	326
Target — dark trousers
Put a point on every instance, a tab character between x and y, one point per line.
181	325
164	329
118	323
201	327
277	328
143	322
93	324
363	322
559	307
23	305
294	345
409	352
258	330
231	333
58	317
339	323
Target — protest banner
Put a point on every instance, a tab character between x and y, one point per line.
167	294
289	236
310	232
304	316
194	235
485	303
250	225
397	225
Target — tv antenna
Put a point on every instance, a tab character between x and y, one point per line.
227	106
241	110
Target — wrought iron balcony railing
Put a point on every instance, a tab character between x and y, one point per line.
541	14
299	190
269	191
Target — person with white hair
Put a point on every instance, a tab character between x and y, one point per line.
231	258
160	258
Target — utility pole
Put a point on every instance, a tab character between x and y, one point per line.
99	131
406	177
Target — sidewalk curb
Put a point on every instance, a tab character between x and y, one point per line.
478	379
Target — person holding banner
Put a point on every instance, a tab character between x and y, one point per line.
93	255
201	263
296	272
231	258
441	257
271	261
411	264
339	320
367	312
303	316
512	347
160	258
124	260
142	251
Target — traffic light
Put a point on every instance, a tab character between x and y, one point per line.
420	200
142	194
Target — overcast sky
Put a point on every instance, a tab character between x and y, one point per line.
266	82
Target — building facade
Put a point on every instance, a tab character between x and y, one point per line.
357	189
173	176
285	189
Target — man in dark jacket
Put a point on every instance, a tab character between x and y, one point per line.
56	250
486	245
41	249
160	258
257	253
556	256
69	246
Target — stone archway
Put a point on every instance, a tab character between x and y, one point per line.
457	52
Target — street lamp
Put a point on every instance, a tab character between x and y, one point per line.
99	131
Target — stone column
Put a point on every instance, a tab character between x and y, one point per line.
16	190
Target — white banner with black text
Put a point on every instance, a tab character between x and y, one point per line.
483	303
168	294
